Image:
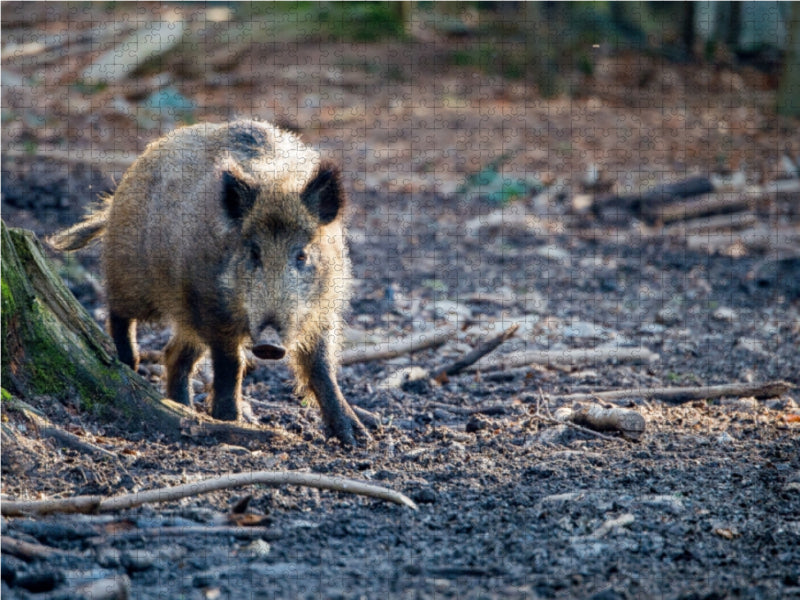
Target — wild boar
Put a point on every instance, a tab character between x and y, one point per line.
225	230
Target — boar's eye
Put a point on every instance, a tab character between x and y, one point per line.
300	259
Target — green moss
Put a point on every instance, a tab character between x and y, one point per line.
5	395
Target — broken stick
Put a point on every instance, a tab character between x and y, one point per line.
95	504
471	358
569	357
28	551
407	345
599	418
680	395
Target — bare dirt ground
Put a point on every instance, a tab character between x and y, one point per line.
511	505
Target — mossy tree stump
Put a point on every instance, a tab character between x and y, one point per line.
51	346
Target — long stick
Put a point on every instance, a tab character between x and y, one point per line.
95	504
568	357
679	395
407	345
28	551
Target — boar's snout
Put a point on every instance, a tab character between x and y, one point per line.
267	342
266	351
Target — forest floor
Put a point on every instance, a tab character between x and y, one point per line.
510	503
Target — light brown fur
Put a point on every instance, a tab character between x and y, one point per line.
224	229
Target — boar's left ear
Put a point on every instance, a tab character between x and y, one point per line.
238	193
324	195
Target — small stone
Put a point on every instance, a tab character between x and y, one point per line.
581	203
454	312
398	378
724	313
554	253
416	386
664	502
652	328
233	449
424	496
751	345
257	549
108	557
137	560
668	316
584	329
204	580
477	423
608	594
725	438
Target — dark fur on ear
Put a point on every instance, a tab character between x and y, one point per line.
324	194
238	194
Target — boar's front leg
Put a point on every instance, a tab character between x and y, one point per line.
180	357
316	371
227	389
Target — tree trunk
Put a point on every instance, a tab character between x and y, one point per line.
52	347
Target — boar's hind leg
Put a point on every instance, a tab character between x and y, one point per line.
180	357
316	371
228	369
123	332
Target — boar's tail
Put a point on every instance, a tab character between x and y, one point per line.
81	234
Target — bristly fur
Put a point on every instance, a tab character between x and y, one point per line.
225	230
83	233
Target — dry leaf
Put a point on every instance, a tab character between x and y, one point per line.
249	520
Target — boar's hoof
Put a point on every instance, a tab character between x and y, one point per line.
269	351
349	431
225	410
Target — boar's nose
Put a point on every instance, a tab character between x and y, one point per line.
267	343
267	351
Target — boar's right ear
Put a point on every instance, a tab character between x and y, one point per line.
238	194
324	195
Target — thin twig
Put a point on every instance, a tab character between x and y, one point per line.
479	352
492	409
95	504
264	533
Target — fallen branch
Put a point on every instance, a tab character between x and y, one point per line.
711	224
598	418
492	409
568	356
28	551
471	358
709	204
232	432
67	439
96	504
264	533
117	587
555	420
679	395
407	345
